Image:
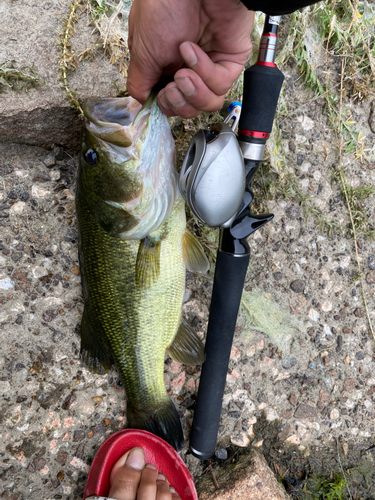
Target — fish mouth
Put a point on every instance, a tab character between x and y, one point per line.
111	119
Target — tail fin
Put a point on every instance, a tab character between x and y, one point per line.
163	422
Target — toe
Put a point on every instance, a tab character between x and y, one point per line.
163	491
126	475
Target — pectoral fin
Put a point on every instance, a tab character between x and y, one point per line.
148	263
186	347
194	256
92	353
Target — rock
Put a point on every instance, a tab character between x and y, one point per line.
306	122
313	314
288	362
334	414
358	312
370	278
248	478
178	383
283	434
240	439
360	355
42	116
349	384
297	286
371	262
39	463
305	411
6	283
50	160
297	303
221	454
78	435
327	306
18	208
293	399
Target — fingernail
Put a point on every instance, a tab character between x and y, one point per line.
162	101
172	490
161	477
175	98
188	54
136	459
186	86
150	466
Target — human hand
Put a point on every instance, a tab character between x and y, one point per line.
201	44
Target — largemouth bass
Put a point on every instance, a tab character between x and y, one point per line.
133	251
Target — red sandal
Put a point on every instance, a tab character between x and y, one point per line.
157	452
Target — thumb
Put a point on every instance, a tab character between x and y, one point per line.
141	78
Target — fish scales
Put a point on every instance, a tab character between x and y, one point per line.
137	324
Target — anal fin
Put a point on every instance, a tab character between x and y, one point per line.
187	347
193	253
147	267
92	353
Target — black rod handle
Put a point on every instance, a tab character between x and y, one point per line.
230	273
262	86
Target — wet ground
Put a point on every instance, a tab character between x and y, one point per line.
302	391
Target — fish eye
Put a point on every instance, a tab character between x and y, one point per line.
90	156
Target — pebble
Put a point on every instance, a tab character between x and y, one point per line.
326	306
358	312
347	360
313	315
221	454
43	269
349	384
283	434
294	439
297	286
297	303
235	354
175	367
289	362
55	175
271	415
78	435
18	208
370	278
293	399
190	385
306	122
38	192
50	161
305	411
327	330
251	351
371	262
360	355
240	439
334	414
178	383
6	284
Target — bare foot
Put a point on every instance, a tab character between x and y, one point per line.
132	479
